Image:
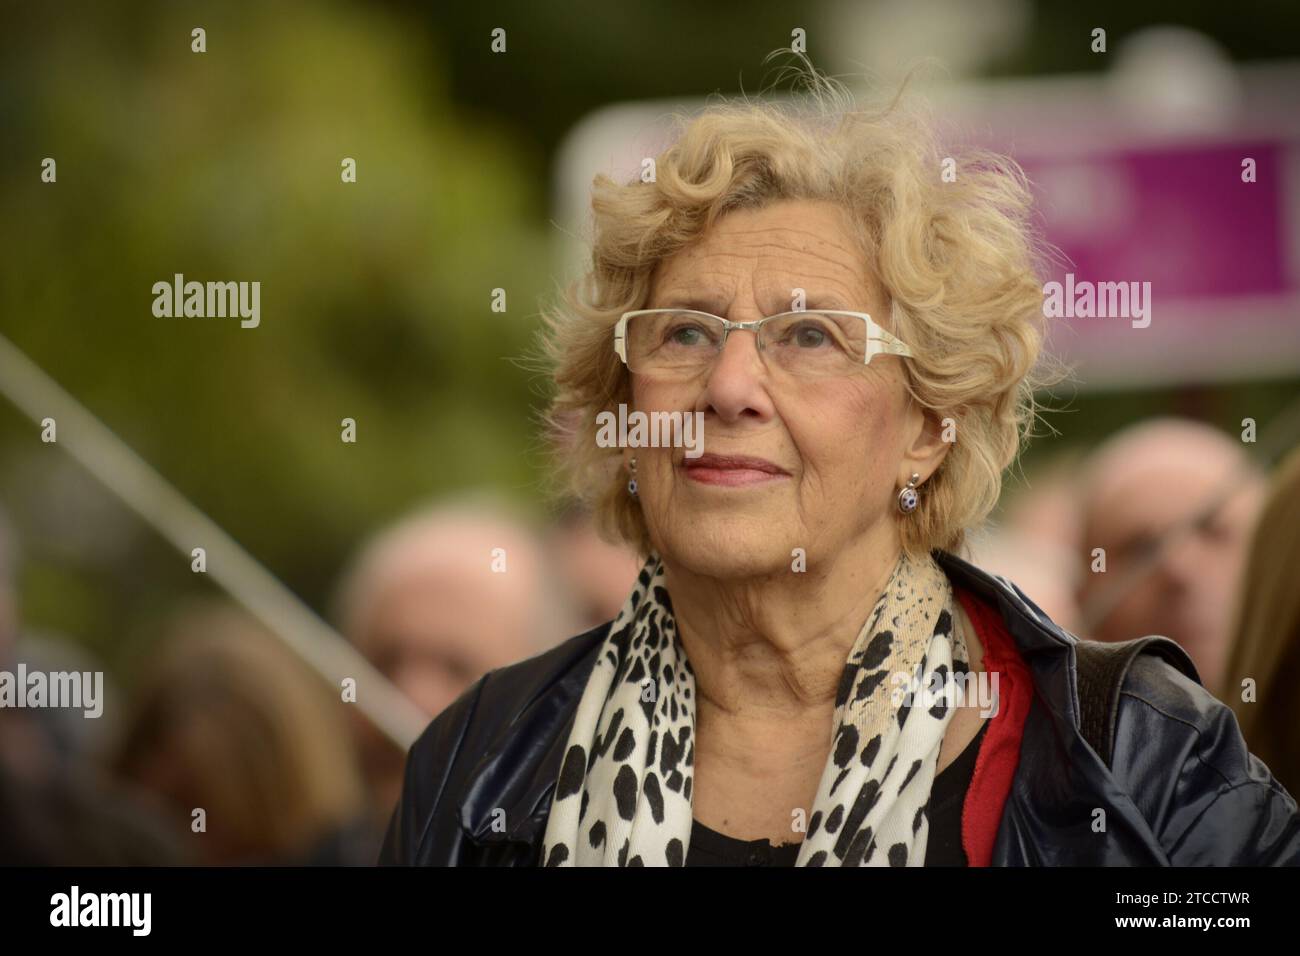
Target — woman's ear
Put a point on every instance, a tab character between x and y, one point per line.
930	438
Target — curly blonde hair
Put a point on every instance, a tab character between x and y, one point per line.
958	262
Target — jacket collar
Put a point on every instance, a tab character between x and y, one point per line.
518	772
1046	647
1037	632
519	779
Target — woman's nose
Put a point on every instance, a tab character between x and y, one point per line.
738	378
739	355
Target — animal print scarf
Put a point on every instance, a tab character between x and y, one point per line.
623	797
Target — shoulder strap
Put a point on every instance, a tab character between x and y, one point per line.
1101	668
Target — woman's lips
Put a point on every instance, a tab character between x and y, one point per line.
731	470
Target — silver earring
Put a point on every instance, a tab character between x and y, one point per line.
908	499
631	482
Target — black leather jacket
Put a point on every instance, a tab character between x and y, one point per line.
1182	789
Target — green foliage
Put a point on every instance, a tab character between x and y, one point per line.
375	296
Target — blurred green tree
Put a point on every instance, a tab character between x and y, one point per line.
375	295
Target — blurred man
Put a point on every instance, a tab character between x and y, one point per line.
438	600
1143	482
446	595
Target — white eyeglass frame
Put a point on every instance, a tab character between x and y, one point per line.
879	341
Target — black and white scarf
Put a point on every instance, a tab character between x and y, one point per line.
623	797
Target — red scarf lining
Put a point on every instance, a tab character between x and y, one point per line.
999	753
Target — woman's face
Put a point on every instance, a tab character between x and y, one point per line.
844	445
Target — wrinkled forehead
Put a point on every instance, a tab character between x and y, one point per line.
759	258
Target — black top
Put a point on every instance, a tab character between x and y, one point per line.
943	847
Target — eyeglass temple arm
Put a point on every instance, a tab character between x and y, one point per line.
883	343
620	338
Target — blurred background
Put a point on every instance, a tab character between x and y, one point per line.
405	302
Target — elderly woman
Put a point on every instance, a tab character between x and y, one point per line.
805	673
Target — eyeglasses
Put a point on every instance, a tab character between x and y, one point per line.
684	342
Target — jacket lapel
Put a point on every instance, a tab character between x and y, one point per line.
1059	788
508	796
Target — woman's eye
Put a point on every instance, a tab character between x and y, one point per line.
810	336
685	335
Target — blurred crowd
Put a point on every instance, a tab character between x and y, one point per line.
230	750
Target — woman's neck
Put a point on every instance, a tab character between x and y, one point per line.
774	647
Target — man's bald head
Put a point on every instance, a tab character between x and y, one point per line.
448	594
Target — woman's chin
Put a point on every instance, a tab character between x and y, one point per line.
721	546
